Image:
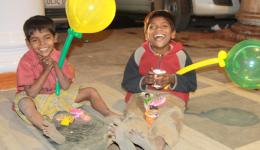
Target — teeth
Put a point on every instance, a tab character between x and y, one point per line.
159	36
43	49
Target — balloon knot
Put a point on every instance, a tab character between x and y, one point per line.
222	55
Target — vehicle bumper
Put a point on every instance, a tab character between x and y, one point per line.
209	8
58	15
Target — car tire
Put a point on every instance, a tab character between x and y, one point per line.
181	10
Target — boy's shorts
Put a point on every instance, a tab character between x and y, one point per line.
49	104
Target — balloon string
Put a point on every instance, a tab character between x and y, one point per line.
64	52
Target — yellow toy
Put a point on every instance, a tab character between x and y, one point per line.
64	119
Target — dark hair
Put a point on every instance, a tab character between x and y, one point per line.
159	13
38	23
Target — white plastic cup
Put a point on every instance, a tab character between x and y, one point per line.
158	73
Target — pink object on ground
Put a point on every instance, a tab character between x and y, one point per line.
79	113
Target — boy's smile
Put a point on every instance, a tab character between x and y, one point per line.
159	36
42	42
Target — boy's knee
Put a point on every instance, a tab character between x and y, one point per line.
89	90
25	103
168	130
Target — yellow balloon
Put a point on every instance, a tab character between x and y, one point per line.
90	16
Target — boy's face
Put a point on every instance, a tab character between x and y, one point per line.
159	33
42	42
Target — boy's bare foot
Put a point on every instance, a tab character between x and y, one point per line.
121	138
111	113
110	116
138	139
50	131
113	118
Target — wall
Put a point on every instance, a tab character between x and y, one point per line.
12	44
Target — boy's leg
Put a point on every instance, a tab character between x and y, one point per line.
137	127
90	94
132	129
170	120
28	108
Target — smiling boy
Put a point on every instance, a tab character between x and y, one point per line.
158	52
37	73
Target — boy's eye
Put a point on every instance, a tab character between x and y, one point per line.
165	26
48	37
34	40
154	27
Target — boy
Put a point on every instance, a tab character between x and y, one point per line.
37	74
154	118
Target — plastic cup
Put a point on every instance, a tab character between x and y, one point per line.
157	74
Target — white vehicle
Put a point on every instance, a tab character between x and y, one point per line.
182	9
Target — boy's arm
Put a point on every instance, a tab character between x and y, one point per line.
186	82
64	81
132	78
34	89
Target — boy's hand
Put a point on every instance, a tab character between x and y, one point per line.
149	78
165	79
47	63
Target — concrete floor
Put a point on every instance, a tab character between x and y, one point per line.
220	115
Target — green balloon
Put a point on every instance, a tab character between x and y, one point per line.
243	64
